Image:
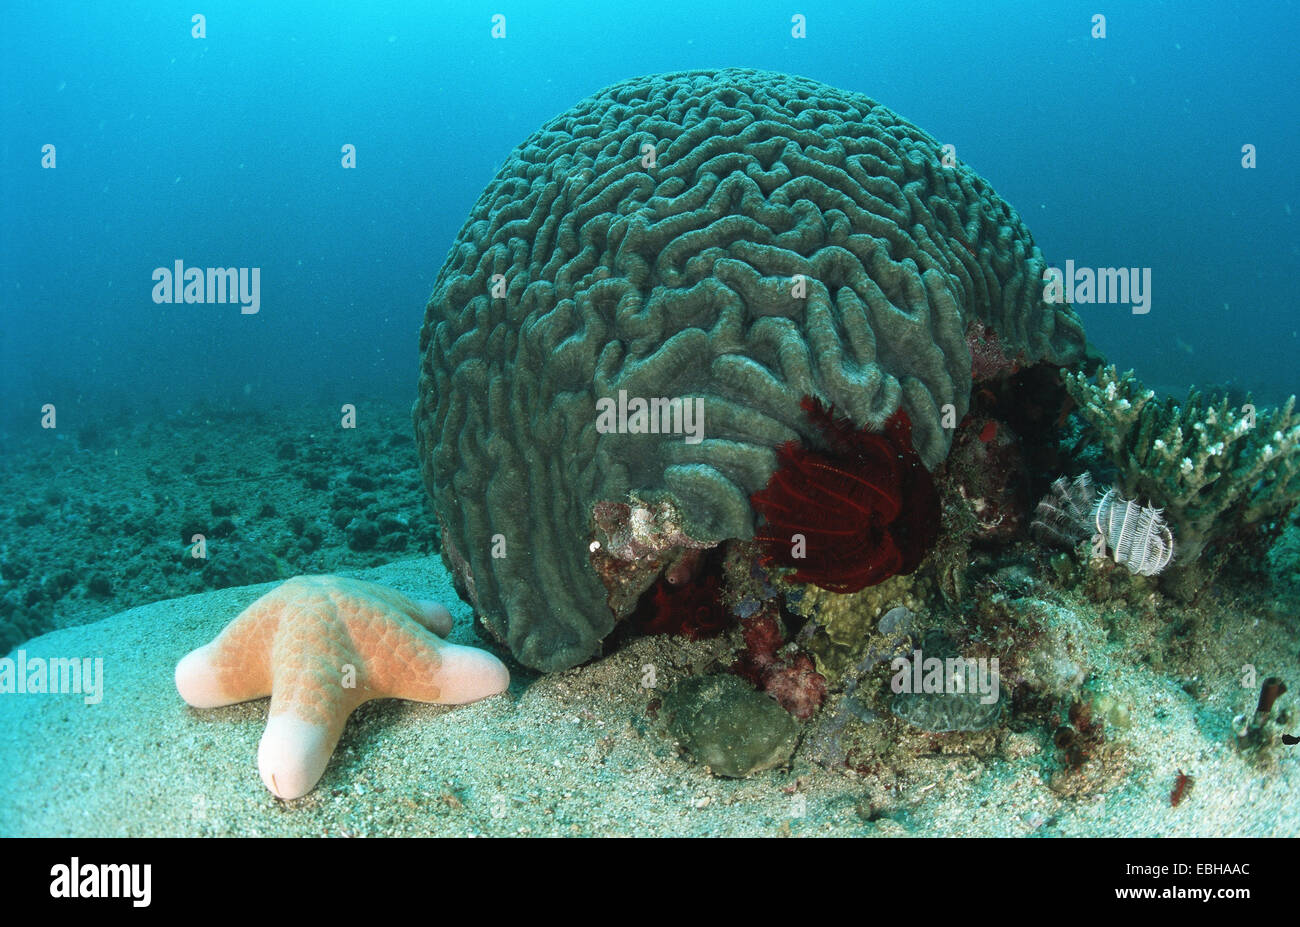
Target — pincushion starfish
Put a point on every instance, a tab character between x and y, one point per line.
320	646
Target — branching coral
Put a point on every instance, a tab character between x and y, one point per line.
1213	468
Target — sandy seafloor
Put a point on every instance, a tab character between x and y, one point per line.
572	753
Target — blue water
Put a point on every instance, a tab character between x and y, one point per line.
225	151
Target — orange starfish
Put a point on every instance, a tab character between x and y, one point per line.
320	646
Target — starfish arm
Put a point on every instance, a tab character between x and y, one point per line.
434	616
233	668
318	681
293	753
360	594
460	674
204	681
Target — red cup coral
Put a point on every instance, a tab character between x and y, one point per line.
852	513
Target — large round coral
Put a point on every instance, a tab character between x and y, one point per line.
738	237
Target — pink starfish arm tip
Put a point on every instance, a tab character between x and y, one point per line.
469	674
434	616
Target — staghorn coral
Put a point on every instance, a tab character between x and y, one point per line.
1200	461
738	238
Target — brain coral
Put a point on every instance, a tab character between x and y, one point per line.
743	238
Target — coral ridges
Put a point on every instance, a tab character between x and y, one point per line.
738	238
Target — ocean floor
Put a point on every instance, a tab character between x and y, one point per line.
99	515
583	753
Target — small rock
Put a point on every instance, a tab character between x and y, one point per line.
725	724
896	621
60	583
192	525
237	564
312	536
360	481
14	568
362	535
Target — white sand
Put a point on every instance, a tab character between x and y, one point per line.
570	753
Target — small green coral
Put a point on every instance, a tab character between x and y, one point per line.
845	623
1214	469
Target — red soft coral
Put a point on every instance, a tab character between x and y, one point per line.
852	513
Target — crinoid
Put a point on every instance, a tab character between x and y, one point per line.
1065	515
1136	535
852	513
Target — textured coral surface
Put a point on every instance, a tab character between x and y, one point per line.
743	237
